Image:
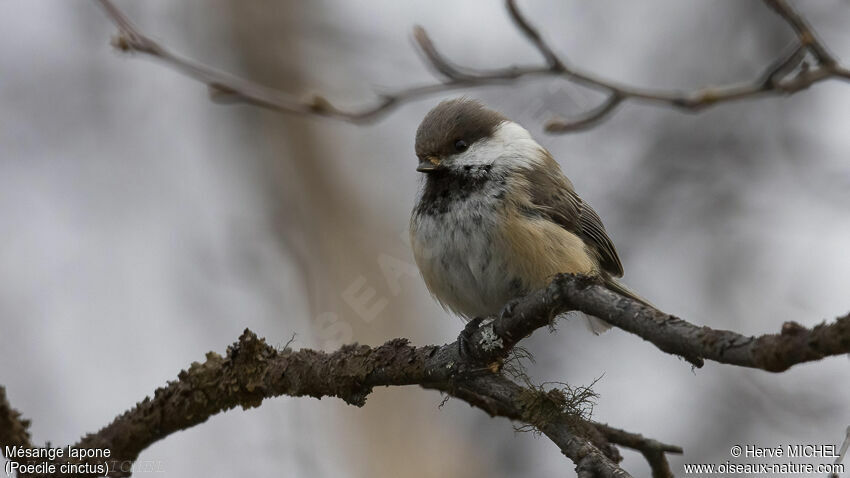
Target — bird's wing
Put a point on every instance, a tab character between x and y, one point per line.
554	196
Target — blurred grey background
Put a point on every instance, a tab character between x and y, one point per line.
143	225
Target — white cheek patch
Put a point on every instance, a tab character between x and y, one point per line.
510	147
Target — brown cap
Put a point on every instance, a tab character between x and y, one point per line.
453	120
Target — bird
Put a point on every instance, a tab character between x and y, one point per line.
496	218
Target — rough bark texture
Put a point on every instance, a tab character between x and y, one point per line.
794	343
252	371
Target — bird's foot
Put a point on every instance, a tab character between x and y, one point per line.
508	309
464	339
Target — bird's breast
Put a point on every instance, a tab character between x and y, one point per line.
452	243
477	250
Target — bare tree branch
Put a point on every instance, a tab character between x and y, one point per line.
780	81
771	352
804	31
253	371
227	88
499	396
653	450
787	75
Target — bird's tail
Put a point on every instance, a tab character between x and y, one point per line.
621	289
597	325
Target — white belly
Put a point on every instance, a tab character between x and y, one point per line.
458	255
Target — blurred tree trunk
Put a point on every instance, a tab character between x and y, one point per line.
319	221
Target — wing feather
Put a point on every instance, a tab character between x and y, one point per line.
554	196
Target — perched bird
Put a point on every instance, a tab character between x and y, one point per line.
496	218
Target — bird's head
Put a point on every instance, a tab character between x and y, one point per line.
462	137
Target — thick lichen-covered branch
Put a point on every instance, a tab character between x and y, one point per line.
252	371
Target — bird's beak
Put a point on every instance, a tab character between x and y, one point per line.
429	164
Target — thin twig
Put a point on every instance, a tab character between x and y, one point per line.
805	34
587	119
782	77
654	451
552	59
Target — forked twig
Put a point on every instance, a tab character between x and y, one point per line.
787	75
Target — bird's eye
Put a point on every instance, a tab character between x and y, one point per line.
461	146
